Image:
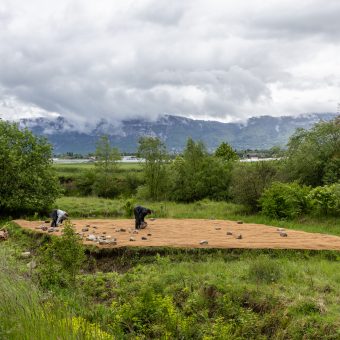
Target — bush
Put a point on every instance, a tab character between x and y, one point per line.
248	182
128	208
61	260
285	200
27	182
326	200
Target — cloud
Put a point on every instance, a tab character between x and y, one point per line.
124	59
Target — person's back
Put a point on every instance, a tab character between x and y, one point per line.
58	216
140	213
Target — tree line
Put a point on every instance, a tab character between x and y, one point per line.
28	182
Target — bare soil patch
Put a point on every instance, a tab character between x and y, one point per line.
188	233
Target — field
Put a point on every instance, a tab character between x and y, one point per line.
94	207
74	170
135	293
188	233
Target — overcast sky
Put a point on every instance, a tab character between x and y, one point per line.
223	60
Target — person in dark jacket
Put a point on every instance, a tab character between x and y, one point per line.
140	213
58	216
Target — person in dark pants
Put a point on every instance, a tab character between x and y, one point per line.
140	213
58	216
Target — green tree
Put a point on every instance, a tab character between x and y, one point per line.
313	156
106	167
249	180
27	182
197	175
153	151
226	152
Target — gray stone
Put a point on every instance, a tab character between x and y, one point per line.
217	228
132	239
239	222
280	229
149	234
44	228
85	229
152	219
239	237
203	242
144	238
26	254
135	232
91	237
283	234
51	230
31	265
229	232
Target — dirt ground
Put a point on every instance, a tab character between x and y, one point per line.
188	233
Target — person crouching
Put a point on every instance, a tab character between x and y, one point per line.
140	213
58	216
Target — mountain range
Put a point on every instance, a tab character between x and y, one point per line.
256	133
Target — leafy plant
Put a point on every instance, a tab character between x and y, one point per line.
27	181
285	200
61	259
326	200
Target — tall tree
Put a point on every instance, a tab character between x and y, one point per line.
153	151
106	164
226	152
28	182
313	156
197	175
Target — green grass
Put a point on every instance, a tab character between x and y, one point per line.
76	170
26	312
90	207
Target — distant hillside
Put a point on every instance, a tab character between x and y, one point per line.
257	133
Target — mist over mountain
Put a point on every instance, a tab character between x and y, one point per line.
257	133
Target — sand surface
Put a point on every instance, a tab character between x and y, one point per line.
187	233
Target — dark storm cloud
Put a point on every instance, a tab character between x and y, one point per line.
127	59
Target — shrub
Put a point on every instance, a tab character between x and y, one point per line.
285	200
128	208
27	181
326	200
61	259
248	182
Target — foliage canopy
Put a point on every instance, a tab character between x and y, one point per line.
27	183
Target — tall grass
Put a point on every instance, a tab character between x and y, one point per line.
25	313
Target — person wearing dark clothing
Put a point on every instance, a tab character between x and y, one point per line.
140	213
58	216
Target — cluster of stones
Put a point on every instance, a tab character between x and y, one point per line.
48	229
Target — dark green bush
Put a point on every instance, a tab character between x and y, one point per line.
248	182
285	200
28	182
